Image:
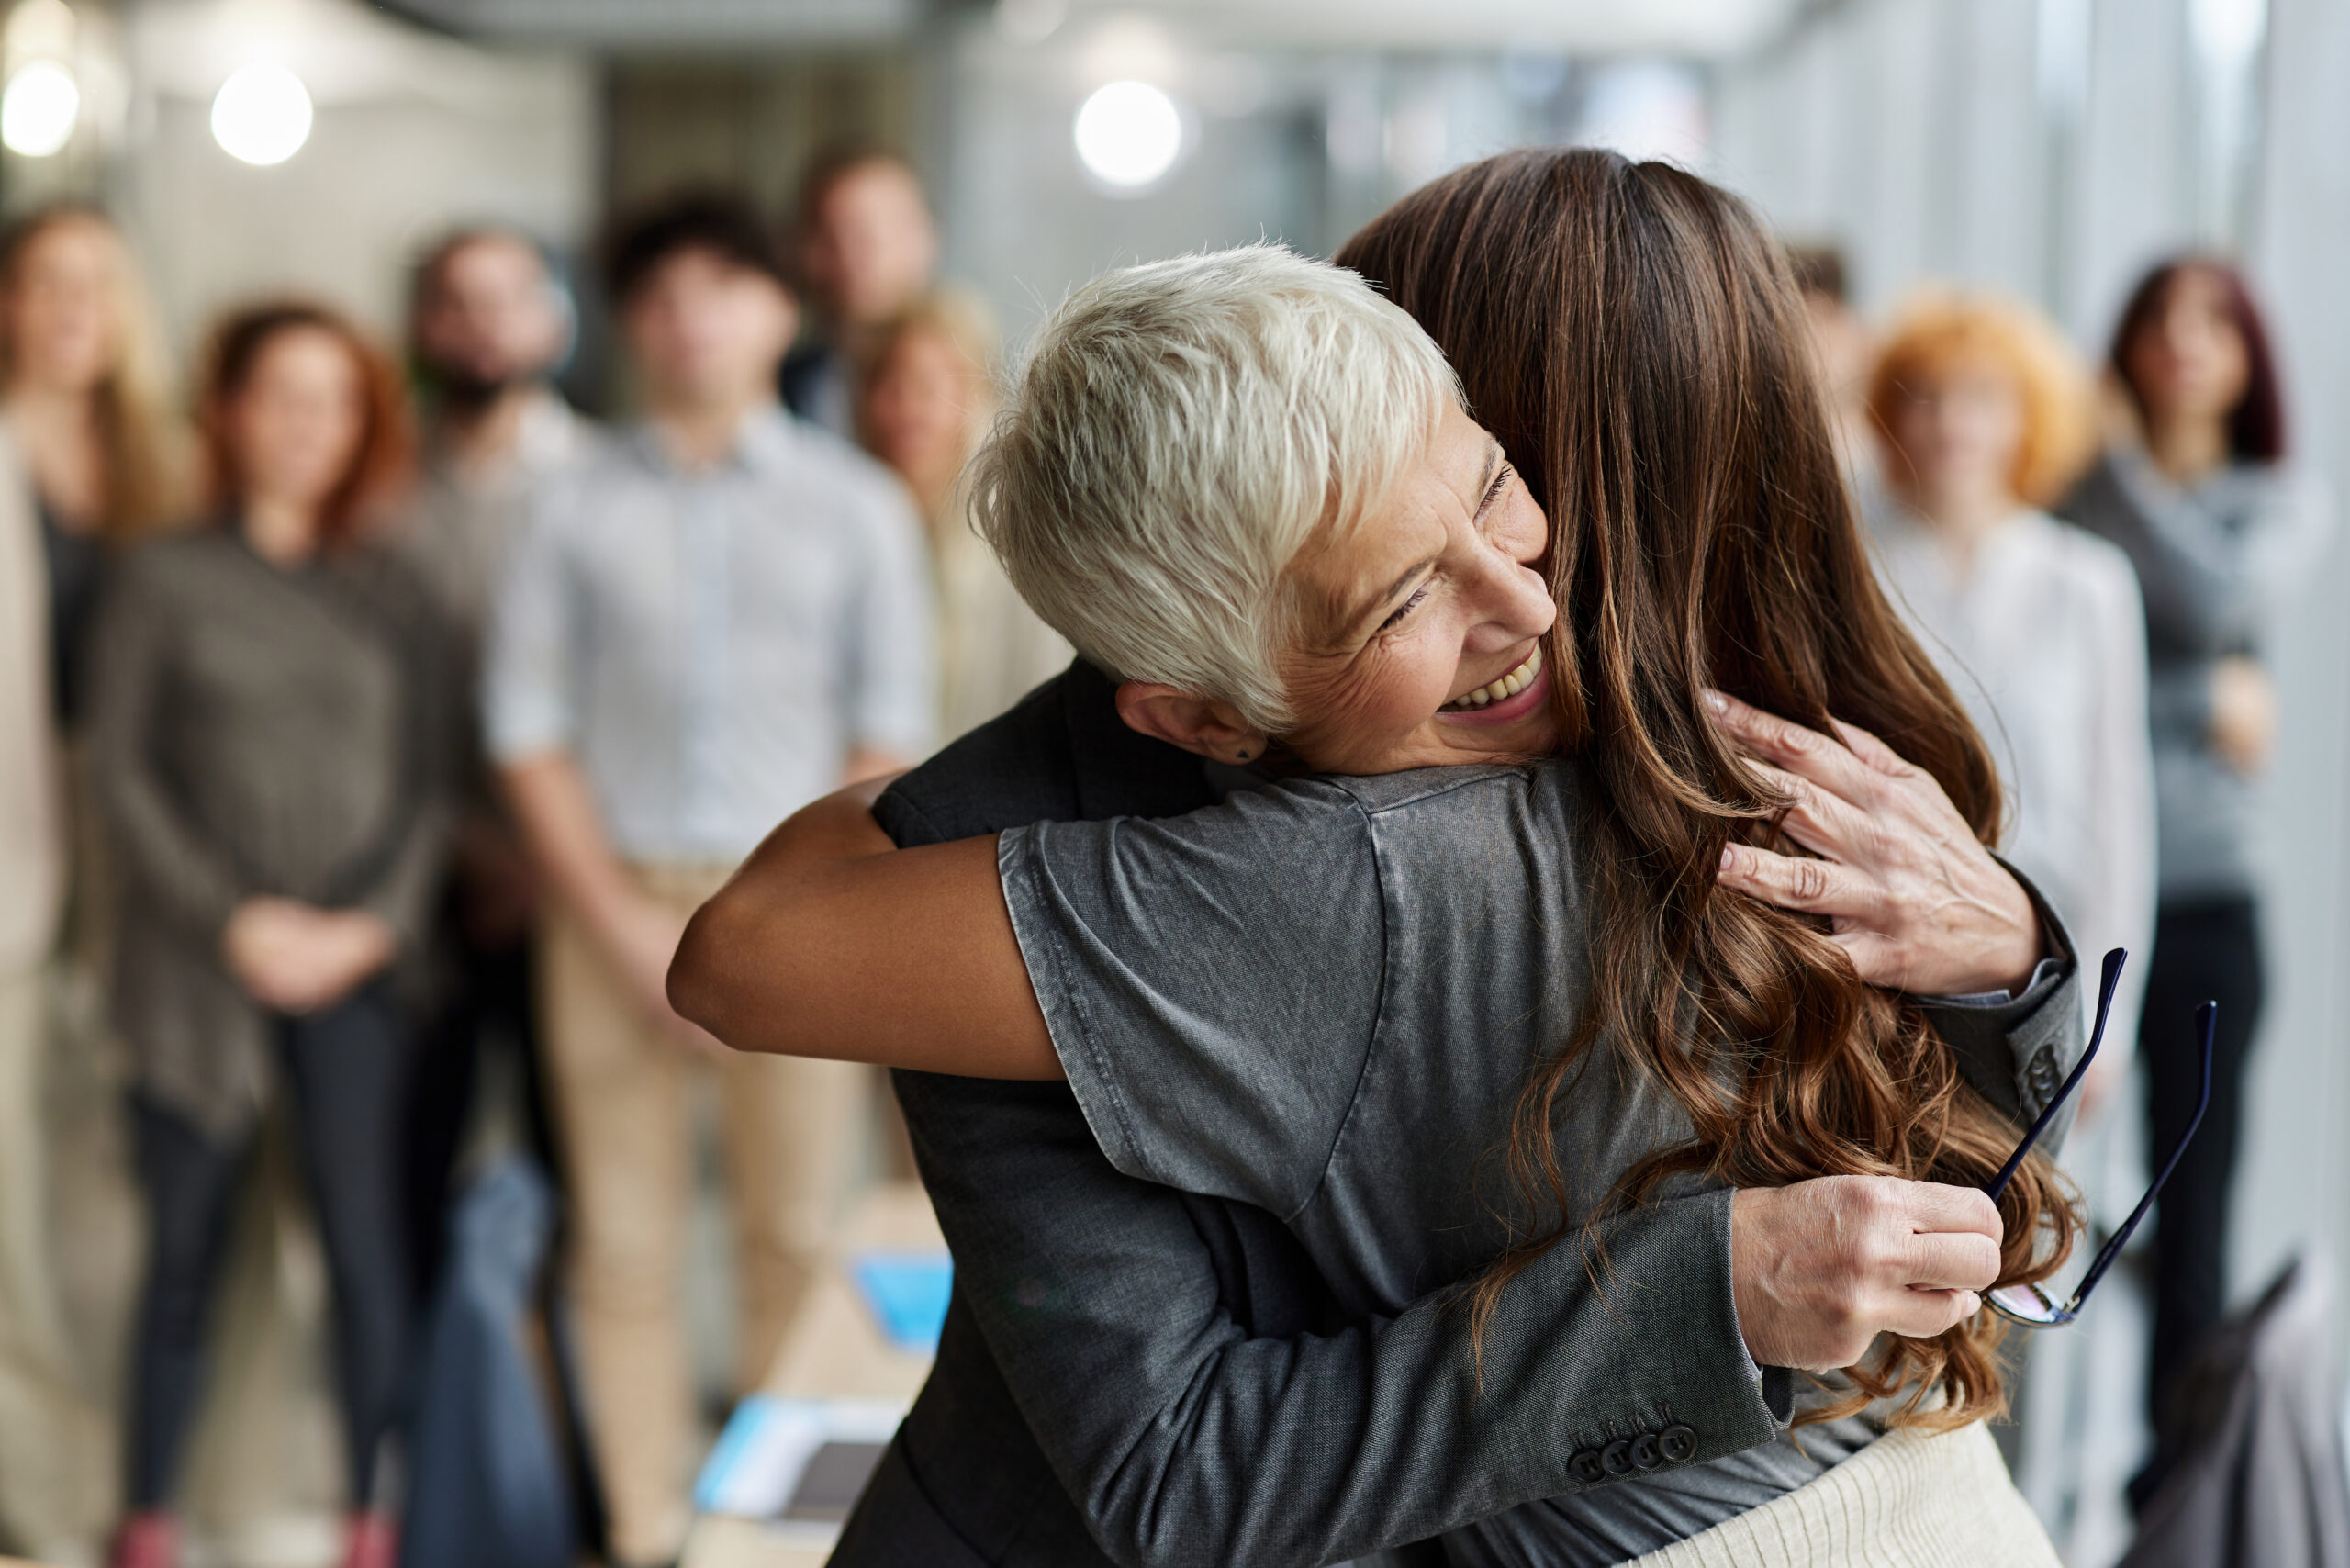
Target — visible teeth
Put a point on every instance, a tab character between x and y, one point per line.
1509	685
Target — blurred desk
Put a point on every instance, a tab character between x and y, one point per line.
836	1350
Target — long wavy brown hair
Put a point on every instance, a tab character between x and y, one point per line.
1632	336
143	446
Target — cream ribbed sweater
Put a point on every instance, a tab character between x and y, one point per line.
1906	1501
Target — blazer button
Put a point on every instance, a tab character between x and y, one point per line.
1645	1451
1586	1467
1617	1457
1678	1442
2044	1074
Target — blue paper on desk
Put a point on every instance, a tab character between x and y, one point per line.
801	1462
906	1292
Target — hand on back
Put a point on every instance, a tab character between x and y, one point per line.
1914	898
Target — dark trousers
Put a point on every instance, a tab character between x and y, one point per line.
347	1068
491	1006
2204	952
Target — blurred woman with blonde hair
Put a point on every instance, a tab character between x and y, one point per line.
89	459
1986	416
927	399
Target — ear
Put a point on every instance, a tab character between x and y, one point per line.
1198	725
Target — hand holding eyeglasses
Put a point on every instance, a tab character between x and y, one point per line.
2029	1304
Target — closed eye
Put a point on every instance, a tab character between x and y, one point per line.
1493	491
1406	607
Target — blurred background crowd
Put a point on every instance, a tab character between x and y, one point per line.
469	467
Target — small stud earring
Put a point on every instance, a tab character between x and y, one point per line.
1244	756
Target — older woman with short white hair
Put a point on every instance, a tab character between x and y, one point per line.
1472	887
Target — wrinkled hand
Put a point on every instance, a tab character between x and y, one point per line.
1821	1268
2243	715
1911	895
294	957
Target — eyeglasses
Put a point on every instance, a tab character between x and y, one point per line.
2029	1305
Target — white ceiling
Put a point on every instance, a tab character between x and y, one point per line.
1703	27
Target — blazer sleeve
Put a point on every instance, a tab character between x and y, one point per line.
1186	1441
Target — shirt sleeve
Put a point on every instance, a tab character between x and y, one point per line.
1211	983
530	669
892	636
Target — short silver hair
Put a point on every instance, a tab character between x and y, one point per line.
1177	434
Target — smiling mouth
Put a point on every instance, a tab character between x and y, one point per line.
1501	690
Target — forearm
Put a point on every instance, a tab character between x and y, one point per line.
564	833
831	942
403	900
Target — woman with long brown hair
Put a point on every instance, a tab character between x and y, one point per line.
1247	487
89	463
270	724
923	407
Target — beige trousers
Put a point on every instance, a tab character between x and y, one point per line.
51	1434
1904	1501
790	1128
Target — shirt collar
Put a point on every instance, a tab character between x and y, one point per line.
550	434
765	440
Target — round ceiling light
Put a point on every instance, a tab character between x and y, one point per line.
1128	134
261	114
39	109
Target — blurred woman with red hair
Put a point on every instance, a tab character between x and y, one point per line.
2195	487
1984	416
270	734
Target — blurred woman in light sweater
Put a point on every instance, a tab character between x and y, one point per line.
1984	416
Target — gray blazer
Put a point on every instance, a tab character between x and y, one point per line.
258	730
1133	1374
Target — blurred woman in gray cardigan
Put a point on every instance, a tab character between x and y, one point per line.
270	745
2195	488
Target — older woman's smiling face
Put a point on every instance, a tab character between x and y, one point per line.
1420	629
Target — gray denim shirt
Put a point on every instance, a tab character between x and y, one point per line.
1323	998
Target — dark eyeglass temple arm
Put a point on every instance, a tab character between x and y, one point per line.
2113	962
2207	1023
